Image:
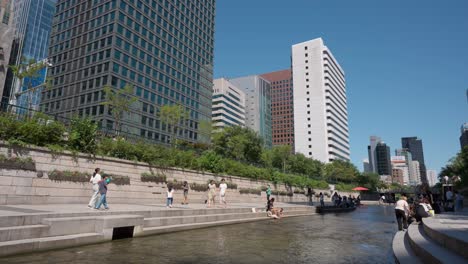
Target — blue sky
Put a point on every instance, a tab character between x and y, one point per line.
406	62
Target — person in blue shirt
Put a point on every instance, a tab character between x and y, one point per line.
103	191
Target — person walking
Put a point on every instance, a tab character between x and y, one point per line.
94	180
402	212
268	192
103	191
185	186
322	203
222	192
170	195
211	193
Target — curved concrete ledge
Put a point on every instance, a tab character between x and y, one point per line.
402	249
429	251
451	234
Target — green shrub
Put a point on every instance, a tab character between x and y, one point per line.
176	185
211	161
263	188
17	163
156	178
251	191
117	179
199	187
71	176
82	135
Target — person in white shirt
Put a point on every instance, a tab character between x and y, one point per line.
402	212
170	195
222	192
94	180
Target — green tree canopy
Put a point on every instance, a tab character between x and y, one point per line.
239	143
340	171
173	116
119	102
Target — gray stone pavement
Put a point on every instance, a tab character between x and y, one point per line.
12	210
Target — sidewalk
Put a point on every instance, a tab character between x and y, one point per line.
16	210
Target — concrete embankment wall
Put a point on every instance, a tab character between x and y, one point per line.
35	187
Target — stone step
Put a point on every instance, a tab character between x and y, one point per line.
428	250
22	232
179	220
182	227
45	243
402	249
451	234
89	224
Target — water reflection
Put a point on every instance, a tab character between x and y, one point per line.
363	236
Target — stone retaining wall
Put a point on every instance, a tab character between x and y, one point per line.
34	187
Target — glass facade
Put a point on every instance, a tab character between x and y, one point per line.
163	48
32	22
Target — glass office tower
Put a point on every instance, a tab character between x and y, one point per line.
163	48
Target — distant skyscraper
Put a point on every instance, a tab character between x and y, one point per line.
382	154
320	103
7	32
257	104
371	152
366	165
282	110
432	177
32	25
464	136
228	104
161	48
399	162
415	146
398	176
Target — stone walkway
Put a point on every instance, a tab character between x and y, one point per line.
14	210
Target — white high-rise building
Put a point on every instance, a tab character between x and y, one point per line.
415	173
228	104
320	104
432	177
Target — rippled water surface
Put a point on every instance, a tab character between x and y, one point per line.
363	236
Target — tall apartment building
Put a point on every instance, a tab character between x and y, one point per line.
464	136
415	173
414	145
432	177
320	104
257	105
6	41
163	48
32	22
374	140
282	107
228	104
382	156
397	176
366	165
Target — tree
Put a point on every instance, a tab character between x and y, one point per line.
28	70
281	155
239	143
457	166
339	170
119	102
173	116
300	164
205	129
